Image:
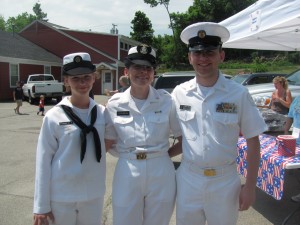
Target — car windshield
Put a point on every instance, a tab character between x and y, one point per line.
240	78
294	78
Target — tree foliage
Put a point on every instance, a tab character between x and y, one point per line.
2	23
200	11
15	24
142	28
40	15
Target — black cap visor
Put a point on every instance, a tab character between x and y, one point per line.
203	47
140	59
73	69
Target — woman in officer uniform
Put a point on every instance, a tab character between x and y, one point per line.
70	160
139	124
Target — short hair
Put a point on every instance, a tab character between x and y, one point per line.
124	79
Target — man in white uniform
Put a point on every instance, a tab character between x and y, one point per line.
70	160
139	123
212	110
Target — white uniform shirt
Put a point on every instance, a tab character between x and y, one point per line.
60	176
142	130
211	124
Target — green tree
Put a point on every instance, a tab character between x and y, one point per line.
142	28
40	15
2	23
200	11
16	24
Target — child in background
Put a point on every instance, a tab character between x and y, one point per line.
41	105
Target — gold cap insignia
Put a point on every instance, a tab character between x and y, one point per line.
201	34
144	49
77	59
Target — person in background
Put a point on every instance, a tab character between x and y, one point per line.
293	118
281	97
41	105
212	110
70	158
124	83
139	124
18	97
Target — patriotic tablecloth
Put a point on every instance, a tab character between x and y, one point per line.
272	166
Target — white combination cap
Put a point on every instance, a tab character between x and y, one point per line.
141	55
77	64
204	36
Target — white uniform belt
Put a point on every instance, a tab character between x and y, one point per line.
141	155
209	171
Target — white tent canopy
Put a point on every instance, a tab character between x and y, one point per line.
266	25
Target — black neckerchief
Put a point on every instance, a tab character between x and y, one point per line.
85	130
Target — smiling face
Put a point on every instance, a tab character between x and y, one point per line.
80	84
206	63
139	75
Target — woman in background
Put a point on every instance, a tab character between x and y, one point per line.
281	97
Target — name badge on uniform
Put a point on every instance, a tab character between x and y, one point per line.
123	113
65	123
185	107
226	107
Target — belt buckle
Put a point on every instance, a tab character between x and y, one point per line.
141	156
209	172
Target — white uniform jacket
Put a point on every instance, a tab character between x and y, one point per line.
142	130
60	176
211	125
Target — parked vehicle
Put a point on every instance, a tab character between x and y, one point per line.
256	78
42	84
170	80
261	92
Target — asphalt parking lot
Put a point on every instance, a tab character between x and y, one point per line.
18	138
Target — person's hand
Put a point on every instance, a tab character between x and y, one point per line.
43	219
246	198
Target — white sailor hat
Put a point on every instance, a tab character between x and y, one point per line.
141	55
204	36
77	64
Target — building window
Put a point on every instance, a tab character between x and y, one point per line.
13	74
126	46
107	78
47	69
121	45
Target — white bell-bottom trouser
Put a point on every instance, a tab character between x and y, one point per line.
143	191
78	213
211	199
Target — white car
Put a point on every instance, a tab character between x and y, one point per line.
261	92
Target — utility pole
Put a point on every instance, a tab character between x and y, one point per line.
114	30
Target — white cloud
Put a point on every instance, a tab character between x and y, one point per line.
97	15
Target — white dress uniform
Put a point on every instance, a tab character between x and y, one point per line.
61	179
144	181
210	126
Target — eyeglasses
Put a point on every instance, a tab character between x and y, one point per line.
205	53
142	67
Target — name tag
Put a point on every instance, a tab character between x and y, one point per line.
225	107
185	107
65	123
123	113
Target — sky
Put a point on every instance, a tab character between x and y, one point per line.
97	15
